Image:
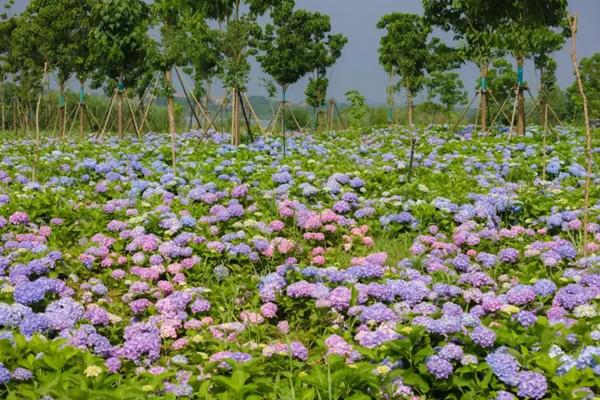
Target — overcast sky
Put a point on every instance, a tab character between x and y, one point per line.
358	67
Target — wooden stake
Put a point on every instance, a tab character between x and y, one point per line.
588	135
3	111
108	113
339	114
275	118
198	104
501	110
235	128
544	142
250	136
498	114
14	114
135	125
295	120
254	113
512	119
462	116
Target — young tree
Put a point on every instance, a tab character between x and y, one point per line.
589	70
172	18
404	51
544	42
203	58
7	25
271	91
448	88
475	26
316	95
525	28
59	29
119	45
501	78
358	108
237	36
292	44
324	57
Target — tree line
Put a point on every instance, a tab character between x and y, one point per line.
138	49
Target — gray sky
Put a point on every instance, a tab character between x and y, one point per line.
358	67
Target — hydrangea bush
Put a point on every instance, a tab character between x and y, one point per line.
322	275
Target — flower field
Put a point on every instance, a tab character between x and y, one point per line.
326	274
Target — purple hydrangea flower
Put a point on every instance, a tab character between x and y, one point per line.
544	287
503	395
483	336
526	318
451	352
4	374
532	385
508	255
504	366
439	367
22	374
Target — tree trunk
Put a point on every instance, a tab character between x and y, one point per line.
170	104
543	99
235	118
588	137
120	90
283	110
142	112
521	97
410	104
483	104
3	111
14	116
62	112
81	109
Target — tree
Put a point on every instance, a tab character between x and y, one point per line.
500	80
56	32
292	44
358	108
316	94
590	76
7	26
475	26
237	36
526	30
404	52
544	42
448	88
119	45
324	57
202	45
271	91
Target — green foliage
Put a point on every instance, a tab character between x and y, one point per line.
316	92
60	372
590	76
296	43
474	24
448	88
501	80
120	40
235	42
236	46
269	86
202	44
404	50
526	28
358	108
